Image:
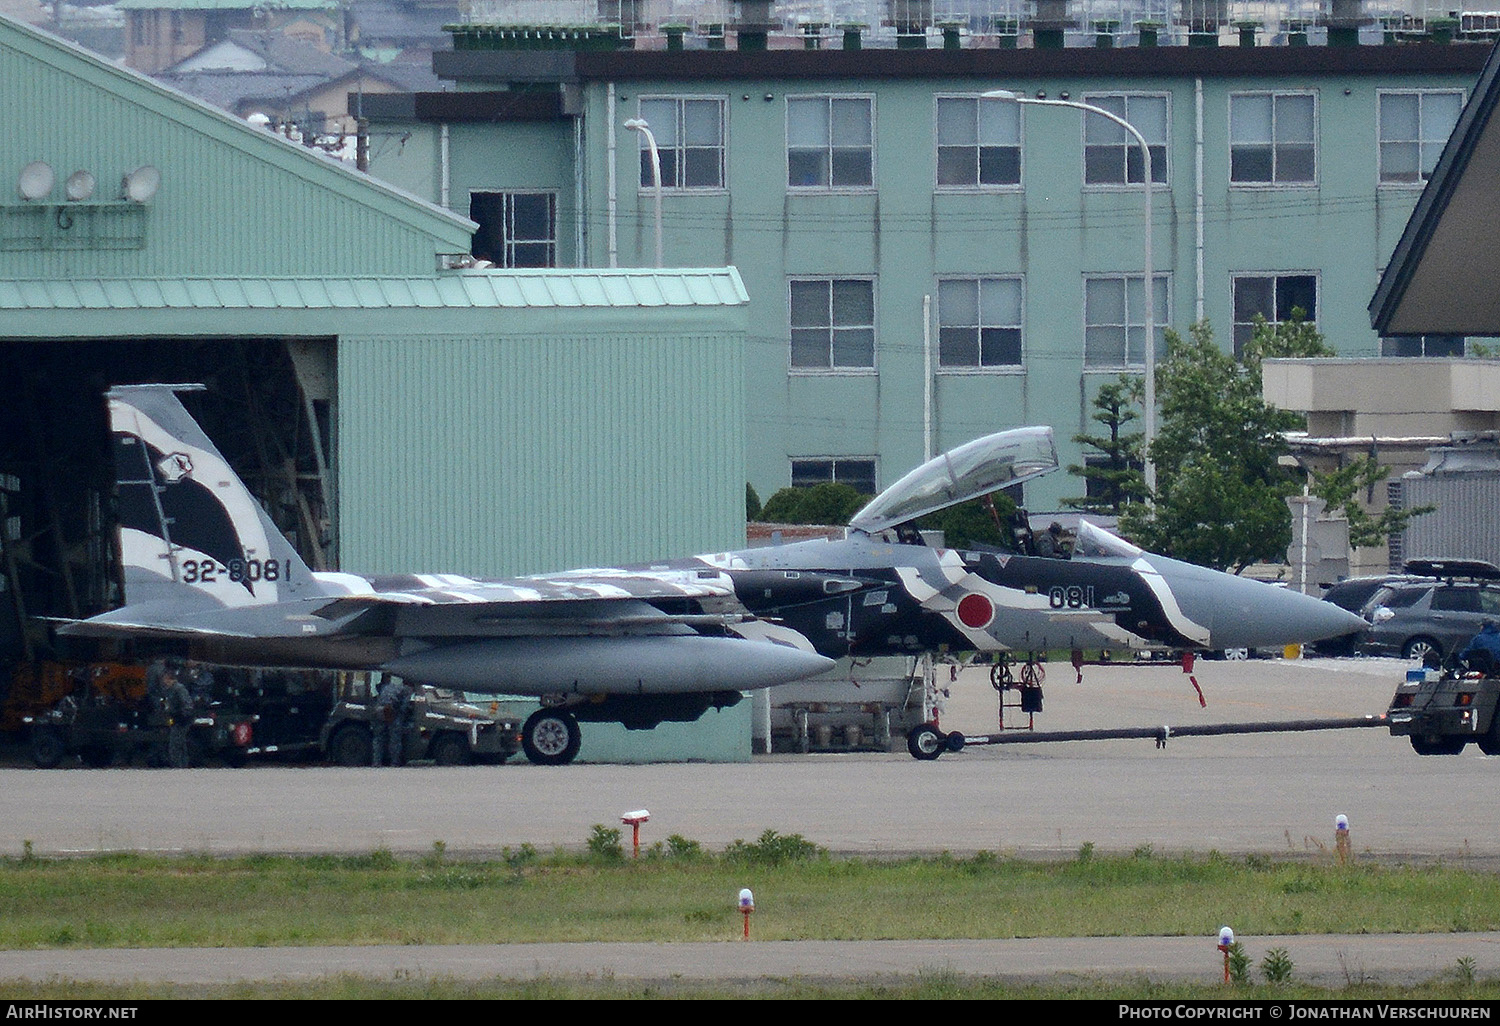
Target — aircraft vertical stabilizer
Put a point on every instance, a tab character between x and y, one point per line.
188	525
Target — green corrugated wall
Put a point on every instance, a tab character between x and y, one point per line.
527	451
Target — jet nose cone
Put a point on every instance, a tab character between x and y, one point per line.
1240	613
1255	615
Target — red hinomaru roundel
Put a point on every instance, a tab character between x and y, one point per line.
976	611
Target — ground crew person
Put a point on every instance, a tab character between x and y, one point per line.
179	717
388	732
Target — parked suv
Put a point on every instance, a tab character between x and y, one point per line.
1432	619
1353	594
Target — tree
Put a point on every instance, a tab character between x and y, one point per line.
828	502
1118	479
972	521
1340	489
1220	496
752	502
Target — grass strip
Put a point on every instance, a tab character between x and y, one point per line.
678	892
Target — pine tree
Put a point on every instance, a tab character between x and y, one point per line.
1118	479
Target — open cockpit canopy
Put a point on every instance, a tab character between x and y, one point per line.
972	470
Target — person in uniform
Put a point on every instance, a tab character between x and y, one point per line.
1483	652
388	732
177	704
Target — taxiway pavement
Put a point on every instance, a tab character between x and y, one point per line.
1271	793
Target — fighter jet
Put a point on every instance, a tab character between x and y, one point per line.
204	565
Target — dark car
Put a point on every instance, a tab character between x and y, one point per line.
1433	618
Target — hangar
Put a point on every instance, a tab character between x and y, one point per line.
393	408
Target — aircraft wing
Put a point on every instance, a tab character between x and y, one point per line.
579	602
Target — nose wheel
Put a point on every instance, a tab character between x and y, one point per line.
926	742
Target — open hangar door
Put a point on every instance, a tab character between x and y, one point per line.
269	408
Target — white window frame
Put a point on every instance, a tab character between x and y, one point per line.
979	146
1423	141
831	149
873	327
834	461
1019	367
508	242
1236	344
1273	182
680	146
1094	122
1161	316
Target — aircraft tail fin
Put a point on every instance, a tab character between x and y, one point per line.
191	534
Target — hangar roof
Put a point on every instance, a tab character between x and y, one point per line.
468	289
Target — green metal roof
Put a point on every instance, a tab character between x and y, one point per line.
467	289
217	171
226	5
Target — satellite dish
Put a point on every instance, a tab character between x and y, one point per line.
35	181
79	186
141	184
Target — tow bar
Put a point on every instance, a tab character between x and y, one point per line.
927	742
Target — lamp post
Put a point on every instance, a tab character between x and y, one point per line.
1149	278
640	125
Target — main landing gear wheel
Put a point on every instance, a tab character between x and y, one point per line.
926	742
550	737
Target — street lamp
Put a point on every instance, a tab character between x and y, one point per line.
640	125
1149	278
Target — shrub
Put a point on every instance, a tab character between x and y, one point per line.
773	849
1277	966
604	844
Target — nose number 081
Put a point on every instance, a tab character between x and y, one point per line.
1073	596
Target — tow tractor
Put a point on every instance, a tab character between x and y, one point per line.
1443	710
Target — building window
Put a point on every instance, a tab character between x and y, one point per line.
833	324
979	323
978	142
1114	328
1414	127
1111	156
689	139
1422	345
1272	139
1274	297
857	473
830	142
516	229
